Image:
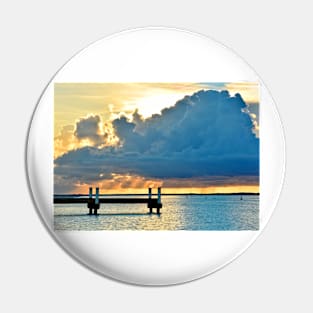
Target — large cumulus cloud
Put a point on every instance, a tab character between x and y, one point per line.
208	134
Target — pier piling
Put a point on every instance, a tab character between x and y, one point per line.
90	201
159	200
97	203
150	197
159	195
150	193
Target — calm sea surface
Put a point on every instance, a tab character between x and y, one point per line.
194	212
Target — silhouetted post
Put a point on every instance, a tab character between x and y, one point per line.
90	204
97	205
149	201
150	193
159	200
159	195
97	195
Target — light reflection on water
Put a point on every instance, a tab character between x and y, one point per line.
195	212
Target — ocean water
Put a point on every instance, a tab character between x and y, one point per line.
192	212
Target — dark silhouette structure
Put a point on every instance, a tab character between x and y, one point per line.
93	204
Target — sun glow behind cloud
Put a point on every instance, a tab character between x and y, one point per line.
97	105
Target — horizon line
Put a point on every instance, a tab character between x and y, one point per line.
164	194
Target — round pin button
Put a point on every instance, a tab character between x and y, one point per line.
155	156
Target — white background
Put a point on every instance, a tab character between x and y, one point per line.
274	274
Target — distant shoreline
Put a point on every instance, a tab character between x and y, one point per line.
166	194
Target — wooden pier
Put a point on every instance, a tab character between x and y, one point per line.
93	203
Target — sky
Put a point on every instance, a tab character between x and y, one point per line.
184	137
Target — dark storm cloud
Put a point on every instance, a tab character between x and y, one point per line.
206	134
